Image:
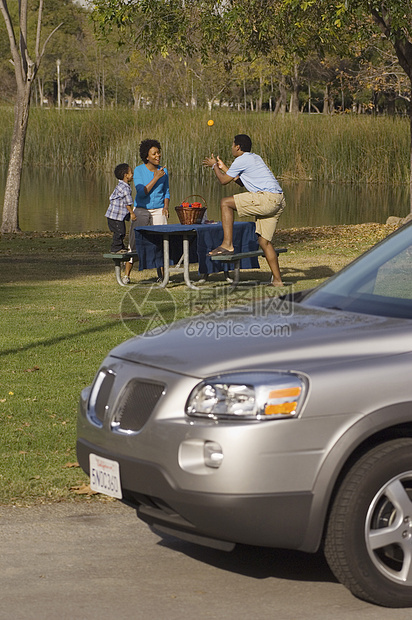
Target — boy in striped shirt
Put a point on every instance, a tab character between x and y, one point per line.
120	208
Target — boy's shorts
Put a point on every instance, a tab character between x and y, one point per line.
266	207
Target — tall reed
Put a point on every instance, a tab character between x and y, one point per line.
339	149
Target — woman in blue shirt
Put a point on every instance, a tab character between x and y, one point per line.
152	186
152	194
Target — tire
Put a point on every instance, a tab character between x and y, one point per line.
368	543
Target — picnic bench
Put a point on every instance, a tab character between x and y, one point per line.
231	259
235	259
118	259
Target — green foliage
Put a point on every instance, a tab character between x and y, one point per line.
355	17
290	35
205	50
152	24
247	27
396	12
341	149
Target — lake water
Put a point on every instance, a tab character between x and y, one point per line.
76	201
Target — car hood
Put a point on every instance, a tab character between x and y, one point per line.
212	344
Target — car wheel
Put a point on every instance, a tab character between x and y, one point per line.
368	543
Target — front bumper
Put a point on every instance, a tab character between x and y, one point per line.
272	520
262	494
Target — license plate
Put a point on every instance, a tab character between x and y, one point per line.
105	476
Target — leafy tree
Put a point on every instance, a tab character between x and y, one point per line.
392	18
7	81
26	60
66	46
225	32
380	79
299	26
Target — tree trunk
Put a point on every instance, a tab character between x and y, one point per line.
281	102
41	91
326	100
294	99
10	221
25	71
259	103
309	97
410	137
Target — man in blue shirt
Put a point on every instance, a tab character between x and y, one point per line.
264	200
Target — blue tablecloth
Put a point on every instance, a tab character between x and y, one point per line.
204	238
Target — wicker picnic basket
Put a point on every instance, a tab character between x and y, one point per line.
192	214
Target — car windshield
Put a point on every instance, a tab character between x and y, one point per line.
379	282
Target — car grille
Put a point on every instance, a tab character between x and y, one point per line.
99	396
136	405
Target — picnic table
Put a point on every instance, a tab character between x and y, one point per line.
174	247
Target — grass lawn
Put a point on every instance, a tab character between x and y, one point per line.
61	311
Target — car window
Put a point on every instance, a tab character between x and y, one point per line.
379	282
394	278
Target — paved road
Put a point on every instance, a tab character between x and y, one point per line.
94	560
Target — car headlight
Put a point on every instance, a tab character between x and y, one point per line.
248	395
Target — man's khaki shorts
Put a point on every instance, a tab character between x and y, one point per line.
265	206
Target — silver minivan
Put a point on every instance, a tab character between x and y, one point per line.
293	429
